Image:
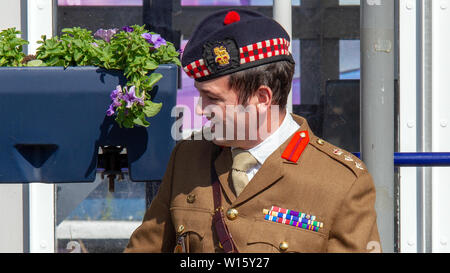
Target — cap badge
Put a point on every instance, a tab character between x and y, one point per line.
222	56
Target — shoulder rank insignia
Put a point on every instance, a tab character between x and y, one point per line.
295	148
346	158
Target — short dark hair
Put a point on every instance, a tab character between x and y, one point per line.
278	76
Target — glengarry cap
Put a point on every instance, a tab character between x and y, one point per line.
228	41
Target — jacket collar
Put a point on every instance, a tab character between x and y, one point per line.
269	173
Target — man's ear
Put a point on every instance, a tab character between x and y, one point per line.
264	96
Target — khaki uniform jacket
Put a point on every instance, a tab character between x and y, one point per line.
327	182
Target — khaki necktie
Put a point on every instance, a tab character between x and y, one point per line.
242	162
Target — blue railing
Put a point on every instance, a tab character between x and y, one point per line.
419	159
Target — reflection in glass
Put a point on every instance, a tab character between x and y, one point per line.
103	221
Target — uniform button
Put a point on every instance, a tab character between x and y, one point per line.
180	228
232	214
284	246
320	141
190	198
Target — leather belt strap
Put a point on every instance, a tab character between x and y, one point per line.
224	235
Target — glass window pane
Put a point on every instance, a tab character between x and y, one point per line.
349	2
349	59
295	49
231	2
214	3
328	98
99	2
318	59
101	222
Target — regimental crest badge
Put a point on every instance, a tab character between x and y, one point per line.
222	56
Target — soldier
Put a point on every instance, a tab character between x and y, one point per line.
281	191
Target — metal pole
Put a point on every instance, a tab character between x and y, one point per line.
377	108
282	13
424	123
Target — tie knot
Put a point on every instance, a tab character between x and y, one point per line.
243	160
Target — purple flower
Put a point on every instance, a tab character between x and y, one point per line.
116	96
105	34
130	97
147	36
94	44
128	29
117	93
154	39
110	111
180	51
116	102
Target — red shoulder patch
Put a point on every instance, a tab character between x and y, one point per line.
231	17
296	146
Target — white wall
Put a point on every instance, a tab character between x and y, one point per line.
11	196
9	14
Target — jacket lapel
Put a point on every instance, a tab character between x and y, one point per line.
223	167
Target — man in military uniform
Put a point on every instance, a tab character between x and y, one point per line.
283	191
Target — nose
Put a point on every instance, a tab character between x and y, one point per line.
199	107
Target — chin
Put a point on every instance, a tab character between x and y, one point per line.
226	143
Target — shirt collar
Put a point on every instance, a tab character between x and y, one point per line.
264	149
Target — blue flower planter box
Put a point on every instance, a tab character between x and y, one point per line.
53	120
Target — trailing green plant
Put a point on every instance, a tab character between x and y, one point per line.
11	48
133	50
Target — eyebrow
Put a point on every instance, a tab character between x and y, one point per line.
208	92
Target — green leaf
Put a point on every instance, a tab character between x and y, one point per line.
176	61
150	65
151	108
140	120
127	123
154	78
77	56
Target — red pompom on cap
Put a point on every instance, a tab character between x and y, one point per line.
231	17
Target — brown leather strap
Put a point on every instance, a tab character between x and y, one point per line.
224	235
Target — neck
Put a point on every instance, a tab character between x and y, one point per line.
266	129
